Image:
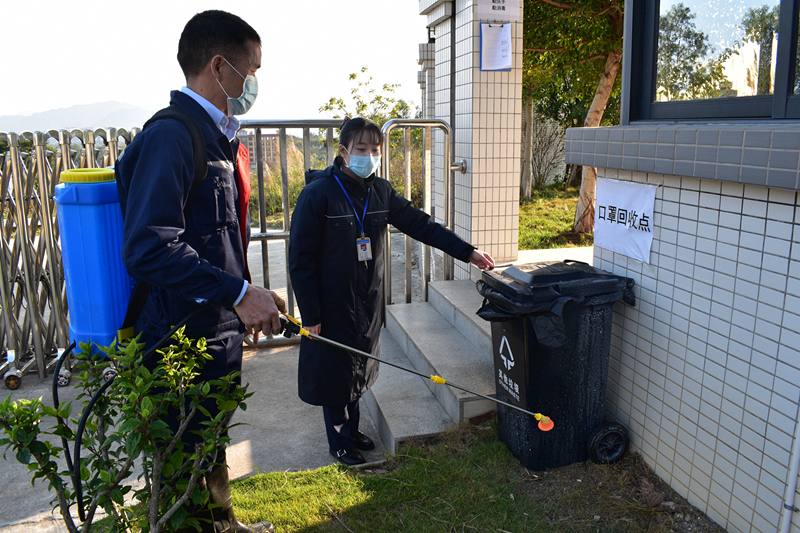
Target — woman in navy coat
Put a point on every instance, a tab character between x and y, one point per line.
336	261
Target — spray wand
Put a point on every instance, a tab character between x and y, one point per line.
292	325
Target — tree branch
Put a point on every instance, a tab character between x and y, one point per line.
559	5
598	56
582	61
118	479
543	49
157	526
63	504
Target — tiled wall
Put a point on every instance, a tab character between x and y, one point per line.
487	128
758	153
441	109
705	370
427	78
496	141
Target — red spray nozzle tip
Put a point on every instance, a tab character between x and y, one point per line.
546	424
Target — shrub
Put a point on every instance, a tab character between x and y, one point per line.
127	425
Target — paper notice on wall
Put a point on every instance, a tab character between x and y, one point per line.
500	10
496	52
623	221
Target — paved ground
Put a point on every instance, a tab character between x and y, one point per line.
281	432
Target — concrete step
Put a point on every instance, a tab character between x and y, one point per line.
458	301
400	403
435	346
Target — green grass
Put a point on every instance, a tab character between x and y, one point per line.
465	480
546	219
444	487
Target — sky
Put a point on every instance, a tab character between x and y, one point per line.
60	54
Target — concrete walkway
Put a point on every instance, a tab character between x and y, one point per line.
281	432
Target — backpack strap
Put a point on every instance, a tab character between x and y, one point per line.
198	143
142	289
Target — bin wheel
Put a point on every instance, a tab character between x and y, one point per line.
13	379
64	378
108	374
608	443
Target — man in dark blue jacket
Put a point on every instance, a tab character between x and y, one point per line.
192	248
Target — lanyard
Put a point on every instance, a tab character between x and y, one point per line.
364	216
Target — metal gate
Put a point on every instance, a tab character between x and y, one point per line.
33	330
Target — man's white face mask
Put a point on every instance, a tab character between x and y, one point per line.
242	104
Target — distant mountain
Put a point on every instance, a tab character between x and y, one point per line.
89	116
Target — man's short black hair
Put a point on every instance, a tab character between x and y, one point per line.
210	33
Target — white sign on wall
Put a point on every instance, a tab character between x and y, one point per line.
496	52
623	218
500	10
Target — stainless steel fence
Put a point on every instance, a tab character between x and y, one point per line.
34	325
33	330
406	125
427	126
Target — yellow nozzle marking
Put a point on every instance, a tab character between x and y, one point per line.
304	332
438	379
293	320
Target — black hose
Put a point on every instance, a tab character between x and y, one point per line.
57	405
77	453
76	479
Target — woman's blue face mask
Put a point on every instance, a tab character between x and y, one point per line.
363	166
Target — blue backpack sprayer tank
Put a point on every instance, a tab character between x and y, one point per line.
97	284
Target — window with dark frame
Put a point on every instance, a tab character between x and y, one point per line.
713	59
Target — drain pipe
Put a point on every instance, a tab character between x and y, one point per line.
788	508
452	82
449	178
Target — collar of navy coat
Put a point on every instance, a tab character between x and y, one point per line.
377	211
212	136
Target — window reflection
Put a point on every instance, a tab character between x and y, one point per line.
797	64
716	49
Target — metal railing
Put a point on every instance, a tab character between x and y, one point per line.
264	236
34	326
427	126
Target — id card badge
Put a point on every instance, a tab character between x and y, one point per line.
364	249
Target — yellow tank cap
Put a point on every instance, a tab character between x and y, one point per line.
87	175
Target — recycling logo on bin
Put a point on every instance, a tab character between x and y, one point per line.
506	354
510	370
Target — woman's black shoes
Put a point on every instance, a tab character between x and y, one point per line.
362	442
350	457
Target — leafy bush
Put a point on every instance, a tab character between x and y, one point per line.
127	425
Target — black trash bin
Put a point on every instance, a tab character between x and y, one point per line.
551	336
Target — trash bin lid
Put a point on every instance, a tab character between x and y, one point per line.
544	281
